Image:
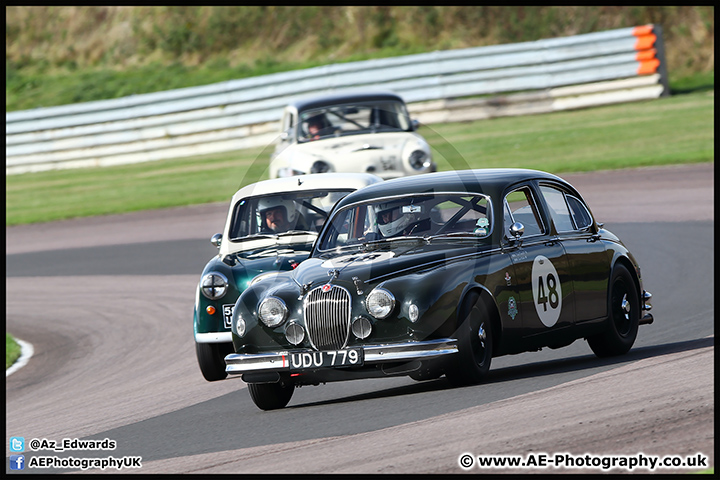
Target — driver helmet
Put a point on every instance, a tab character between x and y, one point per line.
268	203
319	121
391	220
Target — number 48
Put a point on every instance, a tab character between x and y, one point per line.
552	295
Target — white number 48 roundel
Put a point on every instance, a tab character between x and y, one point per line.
547	291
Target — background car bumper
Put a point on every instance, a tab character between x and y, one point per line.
214	337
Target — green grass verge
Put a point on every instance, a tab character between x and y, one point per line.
12	350
673	130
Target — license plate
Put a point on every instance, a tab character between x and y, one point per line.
351	357
227	314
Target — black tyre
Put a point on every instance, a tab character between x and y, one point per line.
474	346
211	358
271	396
623	316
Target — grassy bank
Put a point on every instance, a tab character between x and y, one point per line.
678	129
71	54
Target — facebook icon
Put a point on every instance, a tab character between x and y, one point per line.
17	462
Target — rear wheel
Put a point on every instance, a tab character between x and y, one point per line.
623	316
211	358
474	346
271	396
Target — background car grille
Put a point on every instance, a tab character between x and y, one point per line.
327	317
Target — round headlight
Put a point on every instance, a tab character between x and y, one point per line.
272	311
214	285
380	303
419	160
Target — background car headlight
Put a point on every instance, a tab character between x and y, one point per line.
320	167
380	303
419	160
272	311
214	285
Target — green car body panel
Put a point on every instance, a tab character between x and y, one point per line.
248	250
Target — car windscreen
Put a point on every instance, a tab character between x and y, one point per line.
282	213
353	118
426	216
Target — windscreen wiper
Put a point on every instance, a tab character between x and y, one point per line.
295	232
387	241
454	236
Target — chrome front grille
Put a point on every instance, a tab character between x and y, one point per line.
327	317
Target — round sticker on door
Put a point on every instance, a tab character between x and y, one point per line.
547	291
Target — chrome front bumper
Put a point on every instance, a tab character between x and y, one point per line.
647	318
374	354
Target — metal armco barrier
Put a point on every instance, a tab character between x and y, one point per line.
548	75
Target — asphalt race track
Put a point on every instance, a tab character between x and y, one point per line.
107	305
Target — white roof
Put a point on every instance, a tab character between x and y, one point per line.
310	181
313	181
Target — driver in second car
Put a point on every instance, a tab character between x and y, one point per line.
277	215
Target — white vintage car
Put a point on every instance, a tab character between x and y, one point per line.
366	132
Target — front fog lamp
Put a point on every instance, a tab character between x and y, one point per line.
380	303
240	326
294	333
272	311
413	312
419	160
214	285
361	328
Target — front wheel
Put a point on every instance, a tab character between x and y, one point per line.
623	316
474	347
211	358
271	396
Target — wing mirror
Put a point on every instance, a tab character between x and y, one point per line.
216	239
516	230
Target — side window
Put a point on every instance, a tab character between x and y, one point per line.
559	210
468	214
580	213
520	207
244	221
